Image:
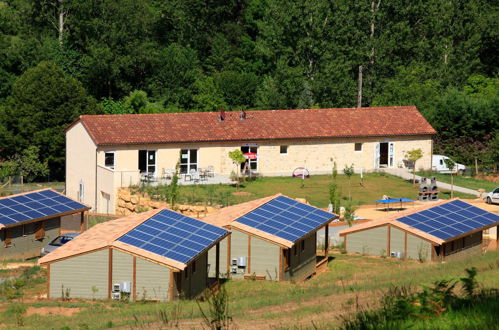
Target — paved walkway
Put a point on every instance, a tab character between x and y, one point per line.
408	176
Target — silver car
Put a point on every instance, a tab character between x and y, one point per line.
58	242
493	196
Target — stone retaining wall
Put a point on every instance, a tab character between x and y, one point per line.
129	203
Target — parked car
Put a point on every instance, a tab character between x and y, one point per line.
493	196
58	242
438	165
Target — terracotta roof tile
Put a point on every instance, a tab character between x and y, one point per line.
258	125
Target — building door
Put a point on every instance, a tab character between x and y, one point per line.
250	164
384	155
147	161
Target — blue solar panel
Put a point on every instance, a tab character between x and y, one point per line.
286	218
450	219
32	206
173	235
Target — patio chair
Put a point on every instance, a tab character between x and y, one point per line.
167	174
195	177
210	171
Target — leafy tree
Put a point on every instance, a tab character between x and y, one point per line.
237	158
43	102
137	101
27	165
413	156
349	171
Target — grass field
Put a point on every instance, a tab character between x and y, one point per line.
351	281
314	189
462	181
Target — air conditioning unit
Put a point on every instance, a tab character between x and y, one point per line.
233	269
396	254
116	287
241	262
116	295
125	287
234	262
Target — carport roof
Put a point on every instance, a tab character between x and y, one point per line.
439	223
36	205
109	235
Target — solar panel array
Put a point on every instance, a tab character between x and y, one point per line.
450	219
35	205
173	235
286	218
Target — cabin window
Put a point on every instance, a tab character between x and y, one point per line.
193	266
40	230
7	237
109	159
287	258
188	160
358	146
283	150
295	250
303	245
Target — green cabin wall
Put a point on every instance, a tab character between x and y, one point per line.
397	241
264	259
239	248
418	248
223	259
302	263
24	245
370	241
153	281
80	274
196	281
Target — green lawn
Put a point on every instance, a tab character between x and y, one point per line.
462	181
314	189
350	280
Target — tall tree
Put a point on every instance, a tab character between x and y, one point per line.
43	102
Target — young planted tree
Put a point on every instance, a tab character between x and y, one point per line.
174	187
348	171
237	158
335	170
349	215
413	156
450	165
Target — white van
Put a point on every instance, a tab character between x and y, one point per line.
438	165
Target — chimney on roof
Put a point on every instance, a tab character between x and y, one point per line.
242	114
221	116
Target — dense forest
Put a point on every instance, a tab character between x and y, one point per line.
63	58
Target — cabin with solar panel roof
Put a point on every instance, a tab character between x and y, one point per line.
159	255
445	231
29	221
273	238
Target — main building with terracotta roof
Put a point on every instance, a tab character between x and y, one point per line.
105	152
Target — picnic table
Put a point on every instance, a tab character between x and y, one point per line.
390	201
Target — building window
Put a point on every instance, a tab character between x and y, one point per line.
147	161
188	160
109	159
302	245
194	266
358	146
295	250
283	150
40	230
